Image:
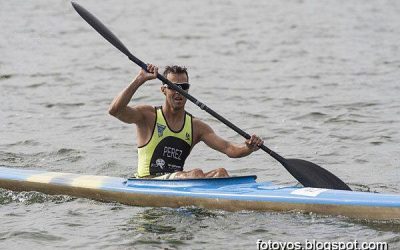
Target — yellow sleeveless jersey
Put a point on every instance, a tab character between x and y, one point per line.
167	150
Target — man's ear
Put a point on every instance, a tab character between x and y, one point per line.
163	89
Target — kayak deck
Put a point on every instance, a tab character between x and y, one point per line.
231	194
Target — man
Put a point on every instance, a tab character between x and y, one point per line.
167	134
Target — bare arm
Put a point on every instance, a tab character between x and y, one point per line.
119	106
209	137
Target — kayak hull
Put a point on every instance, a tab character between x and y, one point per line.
231	194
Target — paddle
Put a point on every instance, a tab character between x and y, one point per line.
307	173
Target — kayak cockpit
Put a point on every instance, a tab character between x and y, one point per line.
203	182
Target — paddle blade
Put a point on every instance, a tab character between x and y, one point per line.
101	28
312	175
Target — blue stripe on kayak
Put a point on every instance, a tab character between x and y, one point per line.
249	193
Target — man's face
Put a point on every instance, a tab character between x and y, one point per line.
176	100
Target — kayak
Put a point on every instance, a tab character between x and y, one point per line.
230	193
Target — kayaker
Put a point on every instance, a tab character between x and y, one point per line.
167	134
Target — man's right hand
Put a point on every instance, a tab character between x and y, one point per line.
137	113
151	73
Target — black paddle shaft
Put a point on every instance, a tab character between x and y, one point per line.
307	173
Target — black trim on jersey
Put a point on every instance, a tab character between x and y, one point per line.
152	132
166	121
191	121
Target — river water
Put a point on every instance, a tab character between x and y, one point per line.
318	80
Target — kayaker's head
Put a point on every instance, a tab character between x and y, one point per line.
179	76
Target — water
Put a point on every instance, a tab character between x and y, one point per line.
317	80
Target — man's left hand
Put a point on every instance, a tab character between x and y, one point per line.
254	143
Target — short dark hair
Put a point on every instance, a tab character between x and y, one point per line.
175	69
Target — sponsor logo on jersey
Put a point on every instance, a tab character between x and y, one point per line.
160	163
160	129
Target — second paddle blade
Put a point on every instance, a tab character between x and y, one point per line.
101	28
312	175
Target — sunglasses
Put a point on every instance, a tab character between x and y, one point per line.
183	86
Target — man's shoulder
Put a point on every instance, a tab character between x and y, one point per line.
199	125
200	129
146	111
145	108
197	121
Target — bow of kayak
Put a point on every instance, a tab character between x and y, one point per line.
231	194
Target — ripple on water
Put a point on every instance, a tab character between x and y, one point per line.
173	227
28	198
52	158
344	119
22	143
63	105
310	116
36	236
5	76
